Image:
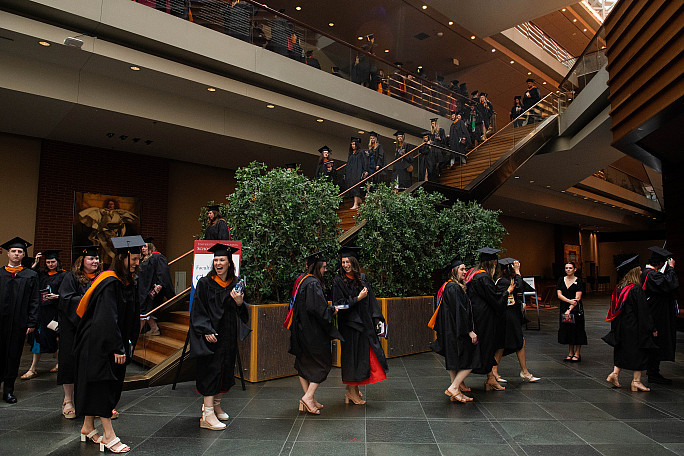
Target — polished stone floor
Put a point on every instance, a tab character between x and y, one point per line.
570	411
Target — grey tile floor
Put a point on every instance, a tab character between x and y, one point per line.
570	411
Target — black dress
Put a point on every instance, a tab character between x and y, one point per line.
217	231
401	172
109	326
357	325
43	339
660	288
154	270
633	332
70	293
571	333
513	320
378	155
322	170
489	304
214	311
311	332
357	165
454	323
429	161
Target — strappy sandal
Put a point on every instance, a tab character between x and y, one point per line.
115	414
55	369
304	407
223	416
68	413
110	446
461	398
464	388
89	437
29	375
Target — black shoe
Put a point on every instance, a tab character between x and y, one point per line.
659	379
9	398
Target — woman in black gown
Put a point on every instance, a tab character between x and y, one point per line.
569	290
631	326
358	166
513	319
404	167
489	305
74	285
311	331
44	339
104	342
154	284
363	360
454	325
217	307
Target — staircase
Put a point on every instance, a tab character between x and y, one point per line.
151	350
347	216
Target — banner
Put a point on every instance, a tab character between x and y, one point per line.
203	261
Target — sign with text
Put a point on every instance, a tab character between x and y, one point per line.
203	261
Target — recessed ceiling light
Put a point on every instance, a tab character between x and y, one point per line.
563	9
270	106
574	20
44	43
493	50
211	89
420	67
512	62
319	120
135	68
424	6
516	177
386	50
532	182
359	38
472	37
548	186
543	82
361	132
585	198
451	22
298	8
584	30
331	24
529	73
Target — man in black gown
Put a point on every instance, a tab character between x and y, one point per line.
659	287
19	301
530	98
218	229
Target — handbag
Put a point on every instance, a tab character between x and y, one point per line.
568	318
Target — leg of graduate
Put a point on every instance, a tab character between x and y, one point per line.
31	372
495	369
110	435
524	373
305	387
456	387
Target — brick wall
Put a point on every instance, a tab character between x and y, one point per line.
68	168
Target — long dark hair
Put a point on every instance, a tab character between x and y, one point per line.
315	270
489	266
231	270
355	272
122	272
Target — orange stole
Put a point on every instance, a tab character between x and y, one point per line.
85	300
13	269
218	280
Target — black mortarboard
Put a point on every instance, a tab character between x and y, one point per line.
474	92
128	244
506	261
349	251
214	208
315	258
425	133
530	80
660	253
51	254
16	243
355	139
281	11
628	265
484	93
488	253
290	165
86	250
454	264
434	119
324	148
454	112
370	36
455	82
219	249
517	97
399	132
463	84
27	261
148	239
372	133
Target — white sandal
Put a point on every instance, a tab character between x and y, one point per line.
89	436
122	449
206	413
223	416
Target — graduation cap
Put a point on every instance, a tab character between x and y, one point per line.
370	36
219	249
372	133
16	243
454	263
425	133
315	258
324	148
434	119
484	93
474	92
148	240
517	97
488	253
349	251
86	250
506	261
281	10
530	80
660	253
463	84
628	265
355	139
399	132
128	244
455	82
454	112
214	208
290	165
51	254
27	261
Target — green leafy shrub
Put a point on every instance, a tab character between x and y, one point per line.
281	217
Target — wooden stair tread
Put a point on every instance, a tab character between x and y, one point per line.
149	357
180	316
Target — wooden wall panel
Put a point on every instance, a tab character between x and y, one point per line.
407	319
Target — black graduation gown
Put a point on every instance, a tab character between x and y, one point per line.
47	311
429	160
459	138
530	98
19	302
378	156
70	293
513	318
214	311
659	290
516	111
109	326
571	333
454	322
322	170
311	332
154	270
357	165
633	332
357	326
400	168
217	231
489	304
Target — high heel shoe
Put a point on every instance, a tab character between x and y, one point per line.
500	380
613	378
68	413
303	407
493	386
638	386
207	412
89	436
529	377
354	400
110	446
223	416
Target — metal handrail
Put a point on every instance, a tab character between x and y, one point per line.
580	58
168	302
180	257
541	39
